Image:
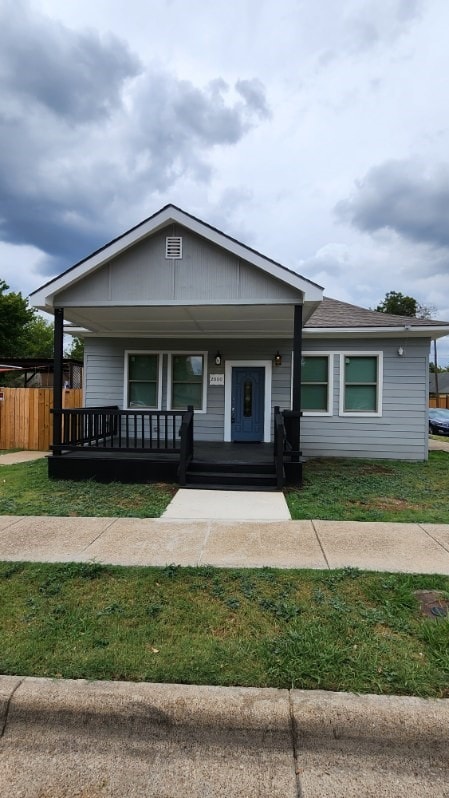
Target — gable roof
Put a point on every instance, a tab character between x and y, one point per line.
43	296
332	314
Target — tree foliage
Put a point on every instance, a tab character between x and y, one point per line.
399	304
15	318
76	350
40	338
23	332
402	305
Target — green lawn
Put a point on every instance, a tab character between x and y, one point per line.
339	489
374	490
25	489
338	630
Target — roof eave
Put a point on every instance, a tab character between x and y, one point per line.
378	332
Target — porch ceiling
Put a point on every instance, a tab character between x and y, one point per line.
194	321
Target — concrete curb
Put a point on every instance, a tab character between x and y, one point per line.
147	705
76	738
392	720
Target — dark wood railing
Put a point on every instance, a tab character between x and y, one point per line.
293	459
279	447
186	453
114	430
287	455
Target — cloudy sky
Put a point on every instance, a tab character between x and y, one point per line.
316	132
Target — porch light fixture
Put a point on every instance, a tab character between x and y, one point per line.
218	358
401	351
278	359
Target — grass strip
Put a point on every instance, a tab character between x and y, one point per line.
25	489
373	490
334	630
334	489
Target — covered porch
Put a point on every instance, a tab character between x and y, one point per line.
109	444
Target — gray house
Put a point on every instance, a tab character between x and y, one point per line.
207	362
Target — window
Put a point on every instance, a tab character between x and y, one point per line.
316	393
187	381
143	380
361	384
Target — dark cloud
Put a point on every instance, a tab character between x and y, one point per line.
178	122
404	197
86	135
77	75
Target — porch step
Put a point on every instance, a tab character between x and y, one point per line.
220	486
220	476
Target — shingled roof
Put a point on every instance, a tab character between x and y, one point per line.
333	313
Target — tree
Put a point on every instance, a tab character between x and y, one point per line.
15	316
39	338
23	333
399	304
76	351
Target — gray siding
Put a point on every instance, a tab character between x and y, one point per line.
105	362
206	273
400	433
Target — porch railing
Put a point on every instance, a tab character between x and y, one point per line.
113	430
279	447
186	453
293	458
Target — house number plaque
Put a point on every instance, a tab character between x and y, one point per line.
216	379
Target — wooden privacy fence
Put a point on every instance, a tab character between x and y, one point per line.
442	400
25	418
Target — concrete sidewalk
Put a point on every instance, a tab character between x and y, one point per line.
413	548
11	458
81	739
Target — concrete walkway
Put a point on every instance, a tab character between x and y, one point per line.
227	505
412	548
437	445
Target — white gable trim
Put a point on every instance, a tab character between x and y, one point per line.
43	297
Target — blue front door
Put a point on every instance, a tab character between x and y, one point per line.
248	403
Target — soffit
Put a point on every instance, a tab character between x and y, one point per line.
212	321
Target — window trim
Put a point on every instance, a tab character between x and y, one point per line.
188	353
129	352
330	382
379	394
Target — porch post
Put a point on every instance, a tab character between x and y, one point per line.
297	358
292	419
57	378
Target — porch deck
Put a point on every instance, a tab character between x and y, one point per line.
112	445
213	461
212	452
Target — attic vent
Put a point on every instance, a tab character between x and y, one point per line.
173	247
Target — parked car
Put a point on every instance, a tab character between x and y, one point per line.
438	421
